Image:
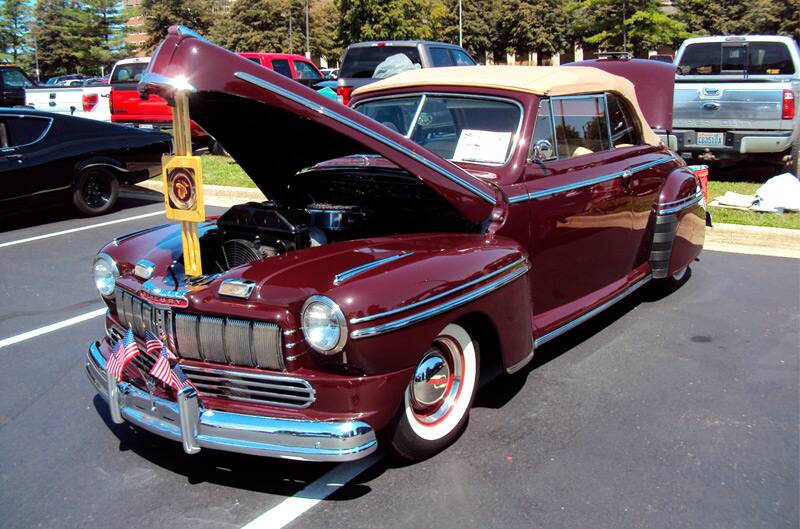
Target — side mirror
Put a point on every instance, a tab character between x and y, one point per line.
542	150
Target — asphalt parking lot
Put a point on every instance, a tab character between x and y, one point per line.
674	412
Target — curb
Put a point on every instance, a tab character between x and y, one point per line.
735	238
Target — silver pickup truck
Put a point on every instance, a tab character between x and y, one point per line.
737	98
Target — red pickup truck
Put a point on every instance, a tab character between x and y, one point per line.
128	107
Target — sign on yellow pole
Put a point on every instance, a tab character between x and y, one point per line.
183	186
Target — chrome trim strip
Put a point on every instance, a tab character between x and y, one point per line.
246	283
595	311
6	150
522	363
144	269
347	274
435	311
459	288
364	130
680	207
305	440
156	79
684	199
583	183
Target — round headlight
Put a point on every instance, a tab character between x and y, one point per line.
324	326
105	274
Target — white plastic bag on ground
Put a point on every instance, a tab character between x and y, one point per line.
393	65
779	193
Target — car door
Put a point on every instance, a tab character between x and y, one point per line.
582	247
21	165
14	83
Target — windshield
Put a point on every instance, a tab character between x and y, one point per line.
361	62
463	129
128	73
722	58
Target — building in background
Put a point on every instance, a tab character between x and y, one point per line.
135	34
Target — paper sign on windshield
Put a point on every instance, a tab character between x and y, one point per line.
484	146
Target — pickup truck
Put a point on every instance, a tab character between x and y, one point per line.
736	98
361	59
152	112
89	102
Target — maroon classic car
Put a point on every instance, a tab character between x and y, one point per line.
444	227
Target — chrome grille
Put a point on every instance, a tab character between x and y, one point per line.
246	387
251	387
229	340
140	315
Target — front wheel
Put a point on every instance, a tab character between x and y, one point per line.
95	192
437	401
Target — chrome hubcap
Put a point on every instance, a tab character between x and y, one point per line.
437	381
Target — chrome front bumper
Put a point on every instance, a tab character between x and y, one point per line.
187	422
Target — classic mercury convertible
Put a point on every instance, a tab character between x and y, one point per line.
447	225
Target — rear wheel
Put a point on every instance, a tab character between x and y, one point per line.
96	191
672	283
437	401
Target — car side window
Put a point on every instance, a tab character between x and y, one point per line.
543	131
15	79
23	130
306	71
461	59
623	126
282	67
581	126
441	57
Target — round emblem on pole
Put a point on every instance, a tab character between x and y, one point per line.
182	191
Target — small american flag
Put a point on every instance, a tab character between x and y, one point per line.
173	377
124	351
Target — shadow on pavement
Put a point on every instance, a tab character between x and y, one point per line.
257	474
130	197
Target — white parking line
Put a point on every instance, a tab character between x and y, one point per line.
50	328
82	228
290	508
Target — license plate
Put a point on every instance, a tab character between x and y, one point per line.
710	138
145	126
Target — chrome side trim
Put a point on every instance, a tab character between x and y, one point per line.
595	311
522	363
196	427
439	309
150	79
347	274
364	130
39	138
459	288
144	269
584	183
690	201
245	283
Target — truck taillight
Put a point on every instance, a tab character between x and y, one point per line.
788	105
343	94
90	101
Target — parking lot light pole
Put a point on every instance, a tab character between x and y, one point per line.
308	45
460	24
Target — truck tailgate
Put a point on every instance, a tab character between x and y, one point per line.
729	106
59	100
128	106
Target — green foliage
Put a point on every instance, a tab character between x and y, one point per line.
159	15
528	26
385	20
600	23
324	18
258	25
707	17
14	20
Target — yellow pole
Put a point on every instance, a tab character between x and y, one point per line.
181	130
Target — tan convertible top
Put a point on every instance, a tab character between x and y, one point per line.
539	80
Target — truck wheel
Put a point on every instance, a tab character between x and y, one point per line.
96	191
437	401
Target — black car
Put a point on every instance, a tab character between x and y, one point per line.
48	157
13	83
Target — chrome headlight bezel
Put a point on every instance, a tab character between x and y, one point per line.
113	273
335	314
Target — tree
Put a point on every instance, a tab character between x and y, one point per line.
257	25
526	26
324	19
600	23
50	34
385	20
159	15
14	20
743	17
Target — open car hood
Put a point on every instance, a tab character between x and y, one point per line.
274	127
654	82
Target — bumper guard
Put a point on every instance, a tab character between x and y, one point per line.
186	421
